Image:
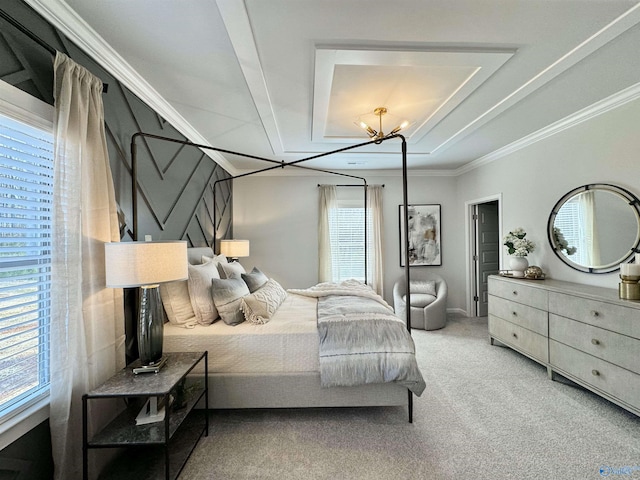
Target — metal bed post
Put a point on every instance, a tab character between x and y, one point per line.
282	164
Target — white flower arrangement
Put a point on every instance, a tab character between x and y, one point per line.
562	243
516	243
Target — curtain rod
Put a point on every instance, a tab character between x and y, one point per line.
346	185
37	39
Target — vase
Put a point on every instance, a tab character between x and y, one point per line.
518	265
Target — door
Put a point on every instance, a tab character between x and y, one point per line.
487	255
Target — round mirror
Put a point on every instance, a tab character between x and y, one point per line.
595	228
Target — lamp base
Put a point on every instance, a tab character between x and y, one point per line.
151	368
150	326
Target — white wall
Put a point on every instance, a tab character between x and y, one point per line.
605	149
279	214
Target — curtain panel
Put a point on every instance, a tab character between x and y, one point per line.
328	202
87	319
376	256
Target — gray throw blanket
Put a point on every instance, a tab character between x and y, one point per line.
362	340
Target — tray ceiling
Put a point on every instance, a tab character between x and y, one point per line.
287	79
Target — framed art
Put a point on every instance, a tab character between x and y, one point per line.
424	235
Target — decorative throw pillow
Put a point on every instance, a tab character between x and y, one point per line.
260	306
427	287
177	303
215	259
255	279
199	284
231	270
227	295
420	300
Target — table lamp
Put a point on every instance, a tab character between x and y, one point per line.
234	249
146	265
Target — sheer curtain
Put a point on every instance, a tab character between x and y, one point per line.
87	324
328	202
374	208
590	227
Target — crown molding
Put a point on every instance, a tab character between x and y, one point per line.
64	18
606	34
603	106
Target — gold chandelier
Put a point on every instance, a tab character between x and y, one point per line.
379	134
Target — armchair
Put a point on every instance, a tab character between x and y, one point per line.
428	311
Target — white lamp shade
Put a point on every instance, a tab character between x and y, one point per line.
133	264
234	248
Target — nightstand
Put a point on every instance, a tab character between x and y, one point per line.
152	441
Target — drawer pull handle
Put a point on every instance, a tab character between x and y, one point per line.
515	292
595	313
515	314
595	341
515	335
595	373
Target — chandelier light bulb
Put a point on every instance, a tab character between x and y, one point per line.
377	135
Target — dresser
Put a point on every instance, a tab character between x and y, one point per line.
584	333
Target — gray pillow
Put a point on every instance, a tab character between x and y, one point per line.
227	296
255	279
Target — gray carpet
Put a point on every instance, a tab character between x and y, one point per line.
487	413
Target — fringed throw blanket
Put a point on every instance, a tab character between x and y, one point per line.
361	339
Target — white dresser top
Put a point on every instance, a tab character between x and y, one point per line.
609	295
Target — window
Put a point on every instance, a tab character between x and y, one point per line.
26	195
346	230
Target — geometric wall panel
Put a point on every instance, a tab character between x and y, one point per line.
175	182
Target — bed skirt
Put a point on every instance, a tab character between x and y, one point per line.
295	390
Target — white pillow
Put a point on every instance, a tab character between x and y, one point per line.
231	270
216	259
260	306
177	303
423	286
199	283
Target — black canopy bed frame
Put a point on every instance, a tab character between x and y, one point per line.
296	164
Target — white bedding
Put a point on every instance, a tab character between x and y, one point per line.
287	343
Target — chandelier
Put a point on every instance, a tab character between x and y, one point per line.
379	134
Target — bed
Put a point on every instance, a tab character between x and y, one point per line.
275	364
284	362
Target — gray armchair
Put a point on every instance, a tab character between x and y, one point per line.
428	312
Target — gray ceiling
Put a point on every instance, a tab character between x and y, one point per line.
286	79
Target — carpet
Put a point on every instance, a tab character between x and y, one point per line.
487	413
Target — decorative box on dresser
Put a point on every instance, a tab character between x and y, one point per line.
584	333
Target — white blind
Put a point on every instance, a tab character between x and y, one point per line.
346	227
26	195
568	220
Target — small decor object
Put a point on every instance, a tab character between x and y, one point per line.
534	272
424	235
518	247
629	287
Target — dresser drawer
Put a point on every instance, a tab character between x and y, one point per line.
521	339
616	318
612	347
519	291
604	376
520	314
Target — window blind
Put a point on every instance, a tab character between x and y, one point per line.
568	220
26	196
346	230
